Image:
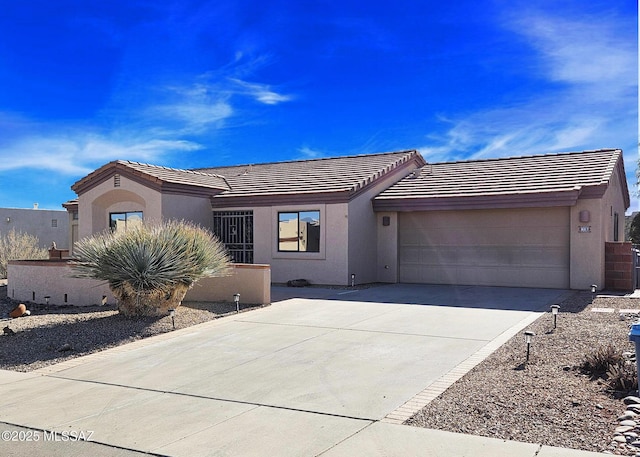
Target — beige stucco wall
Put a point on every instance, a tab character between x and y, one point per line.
329	266
188	208
587	248
95	205
365	233
252	282
53	279
387	245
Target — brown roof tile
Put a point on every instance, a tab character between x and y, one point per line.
154	175
179	176
539	178
345	175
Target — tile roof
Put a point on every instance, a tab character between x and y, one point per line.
539	178
157	176
179	176
343	175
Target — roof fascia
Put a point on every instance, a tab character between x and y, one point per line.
622	177
563	198
220	201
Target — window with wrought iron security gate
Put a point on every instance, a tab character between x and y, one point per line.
235	231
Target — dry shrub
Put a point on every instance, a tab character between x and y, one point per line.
622	377
598	363
16	245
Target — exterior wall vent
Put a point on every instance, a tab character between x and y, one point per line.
116	180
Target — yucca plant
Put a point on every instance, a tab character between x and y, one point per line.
150	267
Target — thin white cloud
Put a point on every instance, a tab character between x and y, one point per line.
590	101
590	50
153	130
80	154
261	92
308	153
592	107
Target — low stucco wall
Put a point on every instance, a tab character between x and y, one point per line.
33	280
251	281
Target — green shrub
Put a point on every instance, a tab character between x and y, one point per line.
16	245
150	267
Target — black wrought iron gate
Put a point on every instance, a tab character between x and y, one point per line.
235	230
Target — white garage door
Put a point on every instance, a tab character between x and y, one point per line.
518	248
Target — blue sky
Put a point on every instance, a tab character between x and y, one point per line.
203	83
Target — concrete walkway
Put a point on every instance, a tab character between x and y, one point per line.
308	376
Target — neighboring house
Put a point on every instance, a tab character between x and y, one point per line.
47	225
538	221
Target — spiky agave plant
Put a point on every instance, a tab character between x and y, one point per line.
150	267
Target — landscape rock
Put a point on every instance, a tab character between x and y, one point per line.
631	400
20	310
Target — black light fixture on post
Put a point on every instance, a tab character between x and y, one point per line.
555	309
236	299
528	338
172	313
594	289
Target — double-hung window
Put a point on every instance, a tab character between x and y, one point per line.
299	231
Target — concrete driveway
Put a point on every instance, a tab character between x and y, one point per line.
305	376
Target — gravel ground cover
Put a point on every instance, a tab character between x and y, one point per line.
549	400
52	334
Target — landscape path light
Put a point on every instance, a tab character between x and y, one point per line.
353	279
555	309
594	289
634	335
46	299
172	313
236	298
528	337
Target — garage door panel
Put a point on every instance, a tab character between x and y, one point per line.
522	247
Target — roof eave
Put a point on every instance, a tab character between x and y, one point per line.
545	199
246	201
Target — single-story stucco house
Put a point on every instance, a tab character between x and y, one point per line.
531	221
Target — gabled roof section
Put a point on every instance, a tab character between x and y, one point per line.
539	180
171	180
327	180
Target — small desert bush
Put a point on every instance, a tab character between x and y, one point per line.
150	267
623	377
16	245
609	364
598	363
